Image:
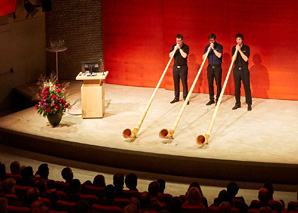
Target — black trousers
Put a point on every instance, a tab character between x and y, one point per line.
180	72
214	72
242	74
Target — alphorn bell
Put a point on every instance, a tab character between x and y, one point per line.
127	133
164	133
204	139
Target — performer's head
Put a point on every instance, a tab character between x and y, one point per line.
239	38
212	38
179	39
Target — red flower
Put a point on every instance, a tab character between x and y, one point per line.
37	95
63	101
41	102
52	104
47	88
44	97
46	92
58	85
66	105
63	89
58	90
36	106
48	109
54	97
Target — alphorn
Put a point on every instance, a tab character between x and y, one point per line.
202	139
164	133
127	133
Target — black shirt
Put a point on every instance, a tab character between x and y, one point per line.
212	58
239	60
178	59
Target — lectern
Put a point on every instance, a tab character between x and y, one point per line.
92	94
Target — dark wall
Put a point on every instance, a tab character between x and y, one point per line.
79	24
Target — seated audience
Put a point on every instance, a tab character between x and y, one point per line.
118	181
110	194
67	174
75	190
27	176
99	181
225	207
162	185
131	181
15	168
8	185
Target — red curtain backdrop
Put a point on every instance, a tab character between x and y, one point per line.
138	35
7	6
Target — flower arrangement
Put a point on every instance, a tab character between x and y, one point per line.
51	97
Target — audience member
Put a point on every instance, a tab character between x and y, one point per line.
43	171
2	172
162	185
110	194
225	207
67	174
15	168
8	185
130	208
131	181
224	195
27	176
118	181
75	190
99	181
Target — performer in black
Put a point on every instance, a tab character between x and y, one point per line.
180	68
241	72
214	68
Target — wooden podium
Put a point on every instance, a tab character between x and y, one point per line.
92	95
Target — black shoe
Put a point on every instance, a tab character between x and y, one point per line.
249	107
174	101
210	102
236	107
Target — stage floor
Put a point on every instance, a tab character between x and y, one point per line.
267	134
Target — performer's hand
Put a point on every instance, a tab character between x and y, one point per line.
209	48
238	47
212	46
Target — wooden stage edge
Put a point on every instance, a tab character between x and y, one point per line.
154	163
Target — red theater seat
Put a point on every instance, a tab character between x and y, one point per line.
237	203
192	209
17	209
62	186
17	177
275	205
46	201
131	193
105	209
11	198
93	199
293	206
21	190
62	205
215	209
93	190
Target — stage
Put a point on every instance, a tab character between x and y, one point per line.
260	145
